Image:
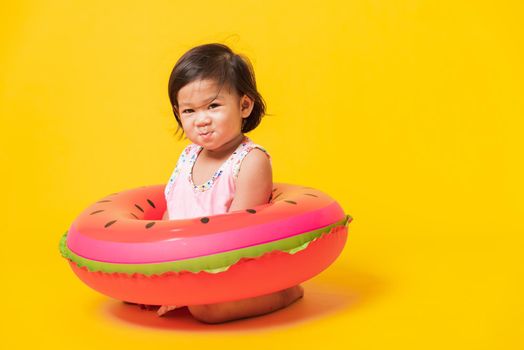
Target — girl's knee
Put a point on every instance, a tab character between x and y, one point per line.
227	311
293	293
206	313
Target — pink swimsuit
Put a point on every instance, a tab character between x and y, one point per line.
187	200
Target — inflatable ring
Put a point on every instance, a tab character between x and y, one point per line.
120	247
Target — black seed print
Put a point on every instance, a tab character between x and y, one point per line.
150	224
204	220
312	195
278	195
110	223
142	210
104	201
291	202
151	203
251	211
134	216
96	212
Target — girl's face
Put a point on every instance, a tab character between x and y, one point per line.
213	123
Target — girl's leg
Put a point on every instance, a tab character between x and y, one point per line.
233	310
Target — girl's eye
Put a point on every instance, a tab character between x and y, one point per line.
187	111
214	105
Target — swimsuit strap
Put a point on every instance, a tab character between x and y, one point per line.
249	145
182	159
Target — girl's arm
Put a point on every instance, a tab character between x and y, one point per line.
255	181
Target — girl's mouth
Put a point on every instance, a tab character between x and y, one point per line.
206	135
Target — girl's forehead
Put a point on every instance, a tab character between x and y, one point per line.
199	92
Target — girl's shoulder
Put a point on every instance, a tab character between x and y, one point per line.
247	147
189	152
189	149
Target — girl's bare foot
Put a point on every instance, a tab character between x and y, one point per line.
165	309
143	306
233	310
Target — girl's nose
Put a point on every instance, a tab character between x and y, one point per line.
202	119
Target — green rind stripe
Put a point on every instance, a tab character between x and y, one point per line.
214	263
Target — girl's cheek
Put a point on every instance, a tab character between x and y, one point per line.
185	123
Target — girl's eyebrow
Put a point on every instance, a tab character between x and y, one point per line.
209	99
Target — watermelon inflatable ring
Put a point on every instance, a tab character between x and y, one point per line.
120	247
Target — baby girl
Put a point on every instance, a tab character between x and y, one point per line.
215	102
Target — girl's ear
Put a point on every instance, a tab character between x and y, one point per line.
246	106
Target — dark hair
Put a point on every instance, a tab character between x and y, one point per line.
217	62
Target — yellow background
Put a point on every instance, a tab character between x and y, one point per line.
409	113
